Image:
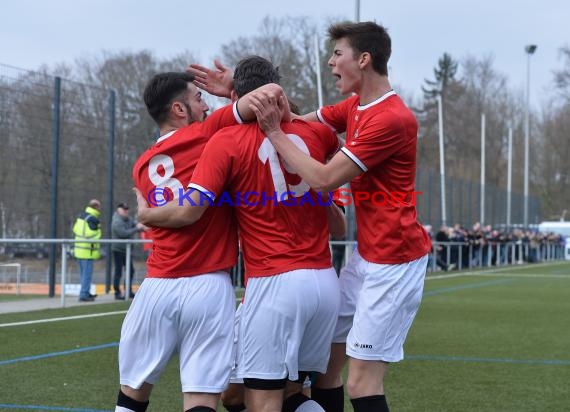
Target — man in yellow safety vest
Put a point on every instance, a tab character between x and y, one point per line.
87	227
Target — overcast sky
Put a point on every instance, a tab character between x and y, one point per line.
35	32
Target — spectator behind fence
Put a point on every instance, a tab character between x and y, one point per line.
87	227
123	226
487	246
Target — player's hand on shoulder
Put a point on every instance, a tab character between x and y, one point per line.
270	109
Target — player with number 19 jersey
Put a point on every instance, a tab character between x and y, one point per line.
160	174
241	162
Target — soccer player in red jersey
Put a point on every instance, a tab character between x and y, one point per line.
382	284
186	302
291	300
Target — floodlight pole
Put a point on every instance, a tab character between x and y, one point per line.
530	49
441	161
318	71
509	176
482	211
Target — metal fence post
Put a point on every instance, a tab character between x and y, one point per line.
63	273
128	272
56	118
110	180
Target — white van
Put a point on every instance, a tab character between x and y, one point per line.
561	228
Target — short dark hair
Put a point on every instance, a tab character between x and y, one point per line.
161	90
253	72
366	37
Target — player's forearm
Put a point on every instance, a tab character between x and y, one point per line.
243	104
310	117
172	215
337	222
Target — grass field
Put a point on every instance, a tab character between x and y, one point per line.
495	341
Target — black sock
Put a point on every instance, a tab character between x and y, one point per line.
129	403
376	403
331	400
235	408
200	409
294	401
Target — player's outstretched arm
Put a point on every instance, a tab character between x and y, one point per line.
340	170
175	214
218	81
310	117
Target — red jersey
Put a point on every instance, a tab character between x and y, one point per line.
282	222
381	139
160	174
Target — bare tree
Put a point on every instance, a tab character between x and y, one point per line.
289	44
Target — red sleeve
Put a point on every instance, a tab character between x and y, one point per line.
217	163
380	139
329	139
224	117
335	116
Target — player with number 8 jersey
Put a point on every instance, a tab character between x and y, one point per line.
186	302
161	173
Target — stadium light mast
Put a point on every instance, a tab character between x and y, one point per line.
509	175
529	49
357	11
318	71
482	211
441	160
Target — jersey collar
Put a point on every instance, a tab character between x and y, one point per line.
378	100
165	136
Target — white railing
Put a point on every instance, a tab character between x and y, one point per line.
466	255
64	245
491	253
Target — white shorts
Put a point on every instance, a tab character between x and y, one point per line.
287	323
378	306
233	374
193	316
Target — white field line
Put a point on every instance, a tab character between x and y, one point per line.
490	272
92	315
526	275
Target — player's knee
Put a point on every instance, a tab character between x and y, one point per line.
233	395
358	387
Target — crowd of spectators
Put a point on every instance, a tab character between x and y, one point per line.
484	246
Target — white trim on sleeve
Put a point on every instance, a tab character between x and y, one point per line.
236	113
203	190
322	120
354	159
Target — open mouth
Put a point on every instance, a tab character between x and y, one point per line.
338	79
